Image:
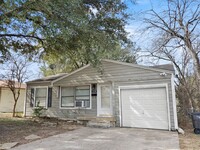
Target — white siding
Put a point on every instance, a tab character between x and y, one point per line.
111	72
7	101
117	75
55	111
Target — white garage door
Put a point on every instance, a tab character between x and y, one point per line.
145	108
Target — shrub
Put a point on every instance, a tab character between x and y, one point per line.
38	110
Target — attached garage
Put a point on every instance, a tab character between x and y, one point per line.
145	107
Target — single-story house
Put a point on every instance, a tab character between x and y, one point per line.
7	100
134	95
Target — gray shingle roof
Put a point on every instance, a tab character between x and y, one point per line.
165	67
48	78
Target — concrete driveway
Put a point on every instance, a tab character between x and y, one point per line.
107	139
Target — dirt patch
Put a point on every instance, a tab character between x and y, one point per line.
189	141
16	129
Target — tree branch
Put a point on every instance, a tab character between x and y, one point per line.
22	35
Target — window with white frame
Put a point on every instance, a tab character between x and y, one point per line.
41	97
75	96
67	97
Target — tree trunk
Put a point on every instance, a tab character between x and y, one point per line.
14	108
194	56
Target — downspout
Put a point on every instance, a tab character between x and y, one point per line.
174	102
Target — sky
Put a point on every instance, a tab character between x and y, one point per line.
134	27
139	11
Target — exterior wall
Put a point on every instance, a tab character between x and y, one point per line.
114	74
56	111
28	109
7	101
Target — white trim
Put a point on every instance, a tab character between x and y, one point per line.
52	82
60	107
139	66
90	96
112	97
98	98
120	108
165	85
60	97
174	102
168	108
143	86
46	95
25	100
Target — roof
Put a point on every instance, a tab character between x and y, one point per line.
4	84
160	68
169	67
48	78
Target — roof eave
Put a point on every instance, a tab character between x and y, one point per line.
30	82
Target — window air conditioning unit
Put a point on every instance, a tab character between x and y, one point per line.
80	104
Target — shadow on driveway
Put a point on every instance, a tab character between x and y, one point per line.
107	139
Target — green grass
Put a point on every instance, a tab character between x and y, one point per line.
16	121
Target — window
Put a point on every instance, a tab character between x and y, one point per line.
75	96
67	98
82	96
40	97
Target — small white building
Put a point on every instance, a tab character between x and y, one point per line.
7	100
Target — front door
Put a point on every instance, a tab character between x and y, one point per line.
104	103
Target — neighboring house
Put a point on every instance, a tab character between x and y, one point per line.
7	100
134	95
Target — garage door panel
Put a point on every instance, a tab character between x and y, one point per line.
143	101
146	103
144	108
147	124
139	116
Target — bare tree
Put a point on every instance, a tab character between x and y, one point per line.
178	39
14	74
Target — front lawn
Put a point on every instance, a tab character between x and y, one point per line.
16	129
189	141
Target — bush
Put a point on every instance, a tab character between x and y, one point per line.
38	110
